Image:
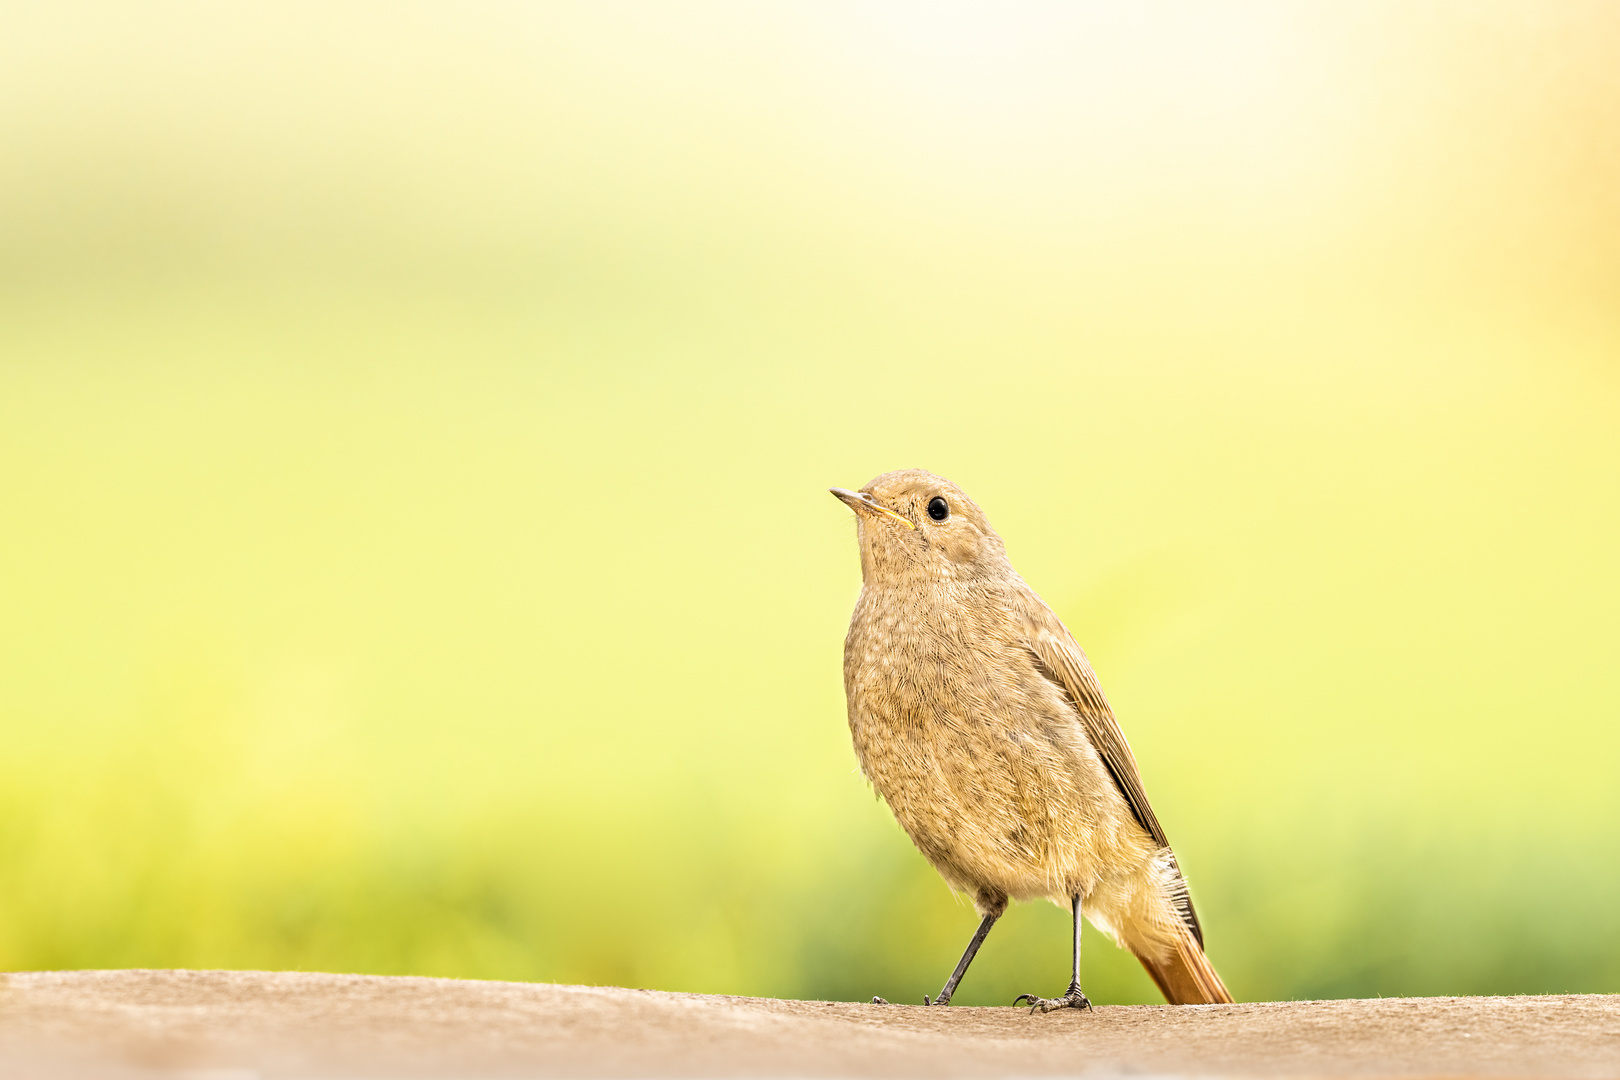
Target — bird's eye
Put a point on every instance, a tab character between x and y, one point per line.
938	508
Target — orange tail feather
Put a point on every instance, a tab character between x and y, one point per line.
1186	977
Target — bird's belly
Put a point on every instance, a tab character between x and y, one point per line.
996	786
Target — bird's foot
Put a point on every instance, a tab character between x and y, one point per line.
1074	999
879	1001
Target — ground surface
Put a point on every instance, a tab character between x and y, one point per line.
233	1025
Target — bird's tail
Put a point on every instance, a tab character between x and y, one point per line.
1185	975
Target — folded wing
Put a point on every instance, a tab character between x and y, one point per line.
1062	661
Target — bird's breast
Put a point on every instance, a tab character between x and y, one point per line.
979	755
938	692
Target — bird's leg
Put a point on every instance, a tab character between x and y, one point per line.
1075	998
967	957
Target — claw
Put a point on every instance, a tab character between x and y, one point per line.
1074	999
878	1001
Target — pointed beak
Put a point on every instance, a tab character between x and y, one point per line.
861	502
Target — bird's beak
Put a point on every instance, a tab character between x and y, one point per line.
860	501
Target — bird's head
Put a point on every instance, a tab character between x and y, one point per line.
915	525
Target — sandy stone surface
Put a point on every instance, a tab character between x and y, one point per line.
235	1025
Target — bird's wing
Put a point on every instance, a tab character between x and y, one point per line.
1062	661
1066	665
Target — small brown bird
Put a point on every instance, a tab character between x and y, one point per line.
980	722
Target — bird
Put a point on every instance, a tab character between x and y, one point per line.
978	719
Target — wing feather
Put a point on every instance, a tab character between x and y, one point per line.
1064	659
1064	663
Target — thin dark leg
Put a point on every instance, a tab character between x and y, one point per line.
967	958
1074	980
1075	998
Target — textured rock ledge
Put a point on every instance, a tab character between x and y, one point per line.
234	1025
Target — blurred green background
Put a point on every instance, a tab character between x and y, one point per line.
416	420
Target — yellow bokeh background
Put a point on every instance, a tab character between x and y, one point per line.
416	420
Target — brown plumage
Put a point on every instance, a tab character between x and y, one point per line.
980	722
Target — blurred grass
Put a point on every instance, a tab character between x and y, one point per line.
415	554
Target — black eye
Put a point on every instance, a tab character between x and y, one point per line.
938	508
